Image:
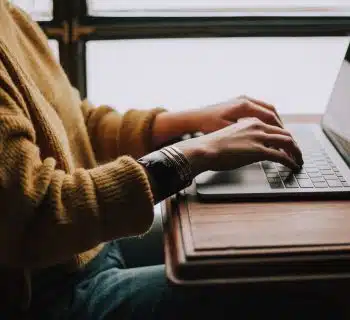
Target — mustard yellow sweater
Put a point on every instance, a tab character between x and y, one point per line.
57	205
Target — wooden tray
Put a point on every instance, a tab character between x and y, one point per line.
213	243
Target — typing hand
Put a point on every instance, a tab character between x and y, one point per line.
245	142
218	116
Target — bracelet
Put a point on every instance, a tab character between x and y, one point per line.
180	162
169	169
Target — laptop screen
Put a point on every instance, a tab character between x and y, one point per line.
336	121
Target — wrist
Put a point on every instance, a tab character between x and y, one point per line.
195	154
170	125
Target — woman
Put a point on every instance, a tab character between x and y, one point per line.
74	178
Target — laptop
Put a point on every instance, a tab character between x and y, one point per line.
326	153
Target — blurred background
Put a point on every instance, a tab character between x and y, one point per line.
181	54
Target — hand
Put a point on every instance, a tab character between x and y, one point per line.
248	141
169	125
218	116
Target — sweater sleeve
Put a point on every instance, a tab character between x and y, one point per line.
113	134
48	215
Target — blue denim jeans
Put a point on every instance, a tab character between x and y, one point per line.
107	289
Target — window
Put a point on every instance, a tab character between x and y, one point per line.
295	74
219	7
55	48
40	10
188	53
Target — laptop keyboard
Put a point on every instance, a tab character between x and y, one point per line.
318	172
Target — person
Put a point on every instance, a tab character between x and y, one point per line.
75	178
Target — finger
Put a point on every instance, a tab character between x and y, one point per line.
265	105
286	143
276	130
251	110
280	157
278	141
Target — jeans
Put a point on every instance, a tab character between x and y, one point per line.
107	289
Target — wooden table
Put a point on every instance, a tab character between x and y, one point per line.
202	239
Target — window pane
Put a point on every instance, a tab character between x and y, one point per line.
295	74
55	48
218	7
40	10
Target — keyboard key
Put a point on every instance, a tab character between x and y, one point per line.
318	160
270	170
285	174
317	155
307	162
272	175
345	184
291	183
318	179
312	170
322	167
303	183
342	179
335	169
320	184
314	174
321	162
338	174
277	185
284	169
334	183
280	165
327	172
331	177
301	176
273	180
308	166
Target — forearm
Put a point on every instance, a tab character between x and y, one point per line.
113	134
171	125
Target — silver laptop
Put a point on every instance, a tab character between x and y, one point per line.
326	154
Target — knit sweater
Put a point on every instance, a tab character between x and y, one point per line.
68	178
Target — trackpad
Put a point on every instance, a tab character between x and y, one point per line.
248	179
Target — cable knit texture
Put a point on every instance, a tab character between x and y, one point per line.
58	205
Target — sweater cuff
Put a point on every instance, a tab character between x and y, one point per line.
124	197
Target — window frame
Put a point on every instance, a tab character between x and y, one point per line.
76	28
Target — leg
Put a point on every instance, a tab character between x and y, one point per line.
144	293
107	290
146	250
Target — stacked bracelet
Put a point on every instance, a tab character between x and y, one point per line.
169	169
180	162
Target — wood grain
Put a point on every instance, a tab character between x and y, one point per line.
257	225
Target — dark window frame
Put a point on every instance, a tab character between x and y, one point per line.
72	27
